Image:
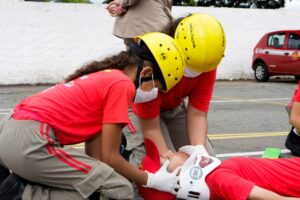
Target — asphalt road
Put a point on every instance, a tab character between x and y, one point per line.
245	117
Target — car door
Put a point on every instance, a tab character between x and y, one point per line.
275	57
292	54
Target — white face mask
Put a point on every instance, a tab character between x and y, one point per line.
144	96
189	73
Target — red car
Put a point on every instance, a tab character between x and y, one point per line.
277	53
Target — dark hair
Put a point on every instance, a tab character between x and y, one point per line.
171	27
157	73
118	61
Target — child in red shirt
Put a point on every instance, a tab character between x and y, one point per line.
90	106
179	116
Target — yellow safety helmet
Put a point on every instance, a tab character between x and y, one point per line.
168	56
202	40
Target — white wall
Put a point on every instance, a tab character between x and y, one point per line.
43	42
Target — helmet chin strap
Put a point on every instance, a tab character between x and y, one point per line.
192	176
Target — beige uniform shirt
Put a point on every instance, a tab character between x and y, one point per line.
142	16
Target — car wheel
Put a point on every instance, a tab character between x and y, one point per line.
261	72
297	77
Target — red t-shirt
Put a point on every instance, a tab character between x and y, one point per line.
78	109
199	90
296	96
235	178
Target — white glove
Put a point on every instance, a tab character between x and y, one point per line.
189	149
163	180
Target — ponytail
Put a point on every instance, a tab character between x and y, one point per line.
119	61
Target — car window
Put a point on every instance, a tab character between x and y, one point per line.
276	40
294	41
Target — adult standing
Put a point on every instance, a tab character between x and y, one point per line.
136	17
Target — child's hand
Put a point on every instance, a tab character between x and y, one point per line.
177	159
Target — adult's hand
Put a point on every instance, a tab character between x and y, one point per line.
165	156
115	9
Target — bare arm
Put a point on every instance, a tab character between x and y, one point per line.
196	125
106	148
92	148
259	193
295	115
151	130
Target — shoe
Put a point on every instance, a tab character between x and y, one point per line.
12	188
293	143
125	153
4	173
95	196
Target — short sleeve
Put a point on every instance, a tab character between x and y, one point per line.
119	99
201	95
296	96
148	110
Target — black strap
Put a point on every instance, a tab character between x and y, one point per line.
145	79
139	69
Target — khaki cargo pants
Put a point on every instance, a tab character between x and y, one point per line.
31	150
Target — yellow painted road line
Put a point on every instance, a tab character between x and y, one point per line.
245	135
262	101
224	136
274	103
